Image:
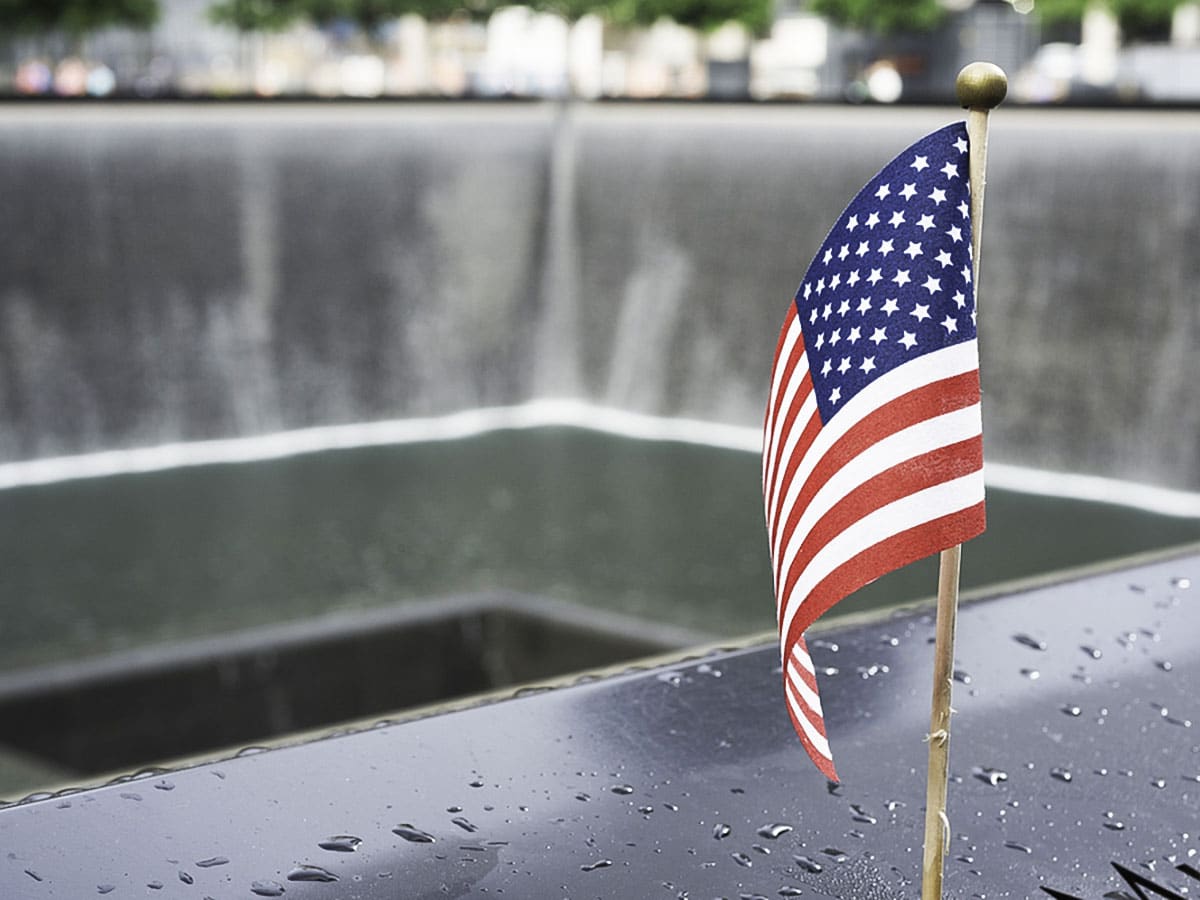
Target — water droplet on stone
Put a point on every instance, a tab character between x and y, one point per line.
861	815
598	864
1031	642
465	825
810	865
414	835
774	830
988	775
311	873
1013	845
788	891
340	843
835	854
186	878
621	789
1060	773
267	888
721	830
742	859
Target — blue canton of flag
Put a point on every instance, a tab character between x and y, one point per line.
893	279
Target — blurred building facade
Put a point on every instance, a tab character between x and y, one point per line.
522	52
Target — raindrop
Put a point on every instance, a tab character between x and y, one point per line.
1159	782
745	896
833	788
1183	583
164	786
893	805
34	875
645	810
130	795
1072	710
1030	642
414	835
742	859
1165	665
672	678
810	865
464	824
212	861
583	797
759	848
251	751
621	789
1060	773
598	864
186	878
340	843
1031	674
889	641
824	645
989	775
706	669
835	854
962	677
453	809
475	782
774	831
310	873
267	889
861	815
788	891
1093	652
105	888
1013	845
721	830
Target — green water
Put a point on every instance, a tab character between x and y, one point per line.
668	531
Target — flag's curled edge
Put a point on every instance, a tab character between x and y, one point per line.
872	445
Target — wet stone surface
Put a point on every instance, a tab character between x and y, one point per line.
694	786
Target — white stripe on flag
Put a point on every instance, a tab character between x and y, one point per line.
900	515
915	440
943	363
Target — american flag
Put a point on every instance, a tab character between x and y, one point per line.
872	446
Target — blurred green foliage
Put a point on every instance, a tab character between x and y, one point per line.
882	16
75	17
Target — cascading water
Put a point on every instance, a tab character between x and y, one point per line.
196	273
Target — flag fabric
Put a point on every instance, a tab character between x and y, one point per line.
872	445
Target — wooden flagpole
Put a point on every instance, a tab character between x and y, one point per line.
980	88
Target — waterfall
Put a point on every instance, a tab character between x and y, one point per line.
204	273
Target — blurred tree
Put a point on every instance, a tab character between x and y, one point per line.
704	15
1139	19
368	15
882	16
76	17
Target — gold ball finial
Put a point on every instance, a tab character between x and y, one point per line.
981	85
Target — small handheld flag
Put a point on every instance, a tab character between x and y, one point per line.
872	444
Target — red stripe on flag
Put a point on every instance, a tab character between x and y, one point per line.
937	398
902	480
911	544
